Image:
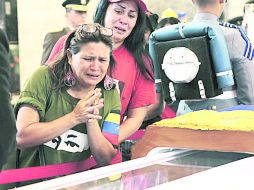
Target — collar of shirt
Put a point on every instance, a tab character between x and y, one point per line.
205	16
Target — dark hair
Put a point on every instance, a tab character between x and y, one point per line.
168	20
151	21
236	20
134	42
74	41
202	3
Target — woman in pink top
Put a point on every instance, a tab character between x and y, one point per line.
133	72
133	68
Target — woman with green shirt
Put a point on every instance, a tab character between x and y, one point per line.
71	108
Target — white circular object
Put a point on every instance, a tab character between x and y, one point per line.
180	64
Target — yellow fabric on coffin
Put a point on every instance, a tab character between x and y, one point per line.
240	120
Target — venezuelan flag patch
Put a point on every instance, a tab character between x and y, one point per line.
110	127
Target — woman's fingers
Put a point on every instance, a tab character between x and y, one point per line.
97	108
93	99
88	107
91	109
92	116
92	92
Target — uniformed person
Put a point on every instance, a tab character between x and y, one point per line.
76	15
240	53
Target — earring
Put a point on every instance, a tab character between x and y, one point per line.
69	79
108	83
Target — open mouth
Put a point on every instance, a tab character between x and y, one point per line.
93	76
118	29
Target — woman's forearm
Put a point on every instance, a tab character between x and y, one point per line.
31	132
101	148
155	109
132	123
128	128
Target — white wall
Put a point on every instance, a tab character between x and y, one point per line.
35	18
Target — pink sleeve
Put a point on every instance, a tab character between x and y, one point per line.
144	90
58	47
168	113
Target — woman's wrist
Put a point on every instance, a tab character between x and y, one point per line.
73	120
92	122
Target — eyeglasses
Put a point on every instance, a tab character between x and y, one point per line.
88	29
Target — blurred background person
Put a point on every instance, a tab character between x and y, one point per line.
169	12
168	111
151	24
165	22
76	15
66	109
7	126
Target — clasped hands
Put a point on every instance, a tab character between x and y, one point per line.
87	109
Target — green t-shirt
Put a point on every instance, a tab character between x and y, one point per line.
51	104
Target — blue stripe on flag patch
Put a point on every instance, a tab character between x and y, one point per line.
110	127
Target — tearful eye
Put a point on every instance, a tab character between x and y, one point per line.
132	16
118	11
103	60
88	59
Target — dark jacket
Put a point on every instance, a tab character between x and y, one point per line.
7	119
49	42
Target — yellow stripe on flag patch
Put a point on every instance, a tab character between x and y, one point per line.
113	117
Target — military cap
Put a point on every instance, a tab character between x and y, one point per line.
77	5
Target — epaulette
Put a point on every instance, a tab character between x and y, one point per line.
228	25
248	51
56	30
